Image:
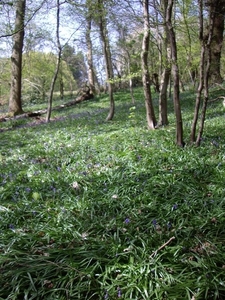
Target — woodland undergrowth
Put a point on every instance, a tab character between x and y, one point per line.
105	210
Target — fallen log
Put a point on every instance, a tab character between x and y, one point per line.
85	95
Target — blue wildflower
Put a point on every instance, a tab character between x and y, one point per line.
119	292
175	206
169	225
127	221
106	296
154	222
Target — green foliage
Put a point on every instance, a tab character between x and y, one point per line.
38	70
187	32
103	210
76	63
4	79
37	73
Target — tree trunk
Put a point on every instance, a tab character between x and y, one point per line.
108	60
49	109
150	115
91	81
175	73
130	79
217	40
198	97
208	46
205	64
165	77
163	114
15	102
61	86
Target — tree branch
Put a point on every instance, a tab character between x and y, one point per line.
163	246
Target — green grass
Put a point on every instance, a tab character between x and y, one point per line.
87	206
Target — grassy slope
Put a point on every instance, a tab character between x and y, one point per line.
85	205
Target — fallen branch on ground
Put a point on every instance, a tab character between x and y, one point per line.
161	247
43	111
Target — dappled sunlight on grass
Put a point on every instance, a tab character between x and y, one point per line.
104	210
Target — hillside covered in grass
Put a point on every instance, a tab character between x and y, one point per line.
105	210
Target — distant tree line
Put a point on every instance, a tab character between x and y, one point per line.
166	44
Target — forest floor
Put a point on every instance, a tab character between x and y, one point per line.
91	209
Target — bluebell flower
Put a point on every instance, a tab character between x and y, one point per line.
106	296
11	226
214	143
175	206
119	292
127	221
169	225
154	222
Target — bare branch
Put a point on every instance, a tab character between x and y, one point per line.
29	19
163	246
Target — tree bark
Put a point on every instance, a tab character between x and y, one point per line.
217	39
205	67
91	81
198	97
108	60
165	77
49	109
201	76
15	102
176	77
163	113
150	114
208	63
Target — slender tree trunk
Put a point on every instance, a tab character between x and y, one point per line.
207	45
198	97
201	75
130	79
205	64
49	109
175	72
90	67
165	77
61	87
108	60
15	102
150	115
163	114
